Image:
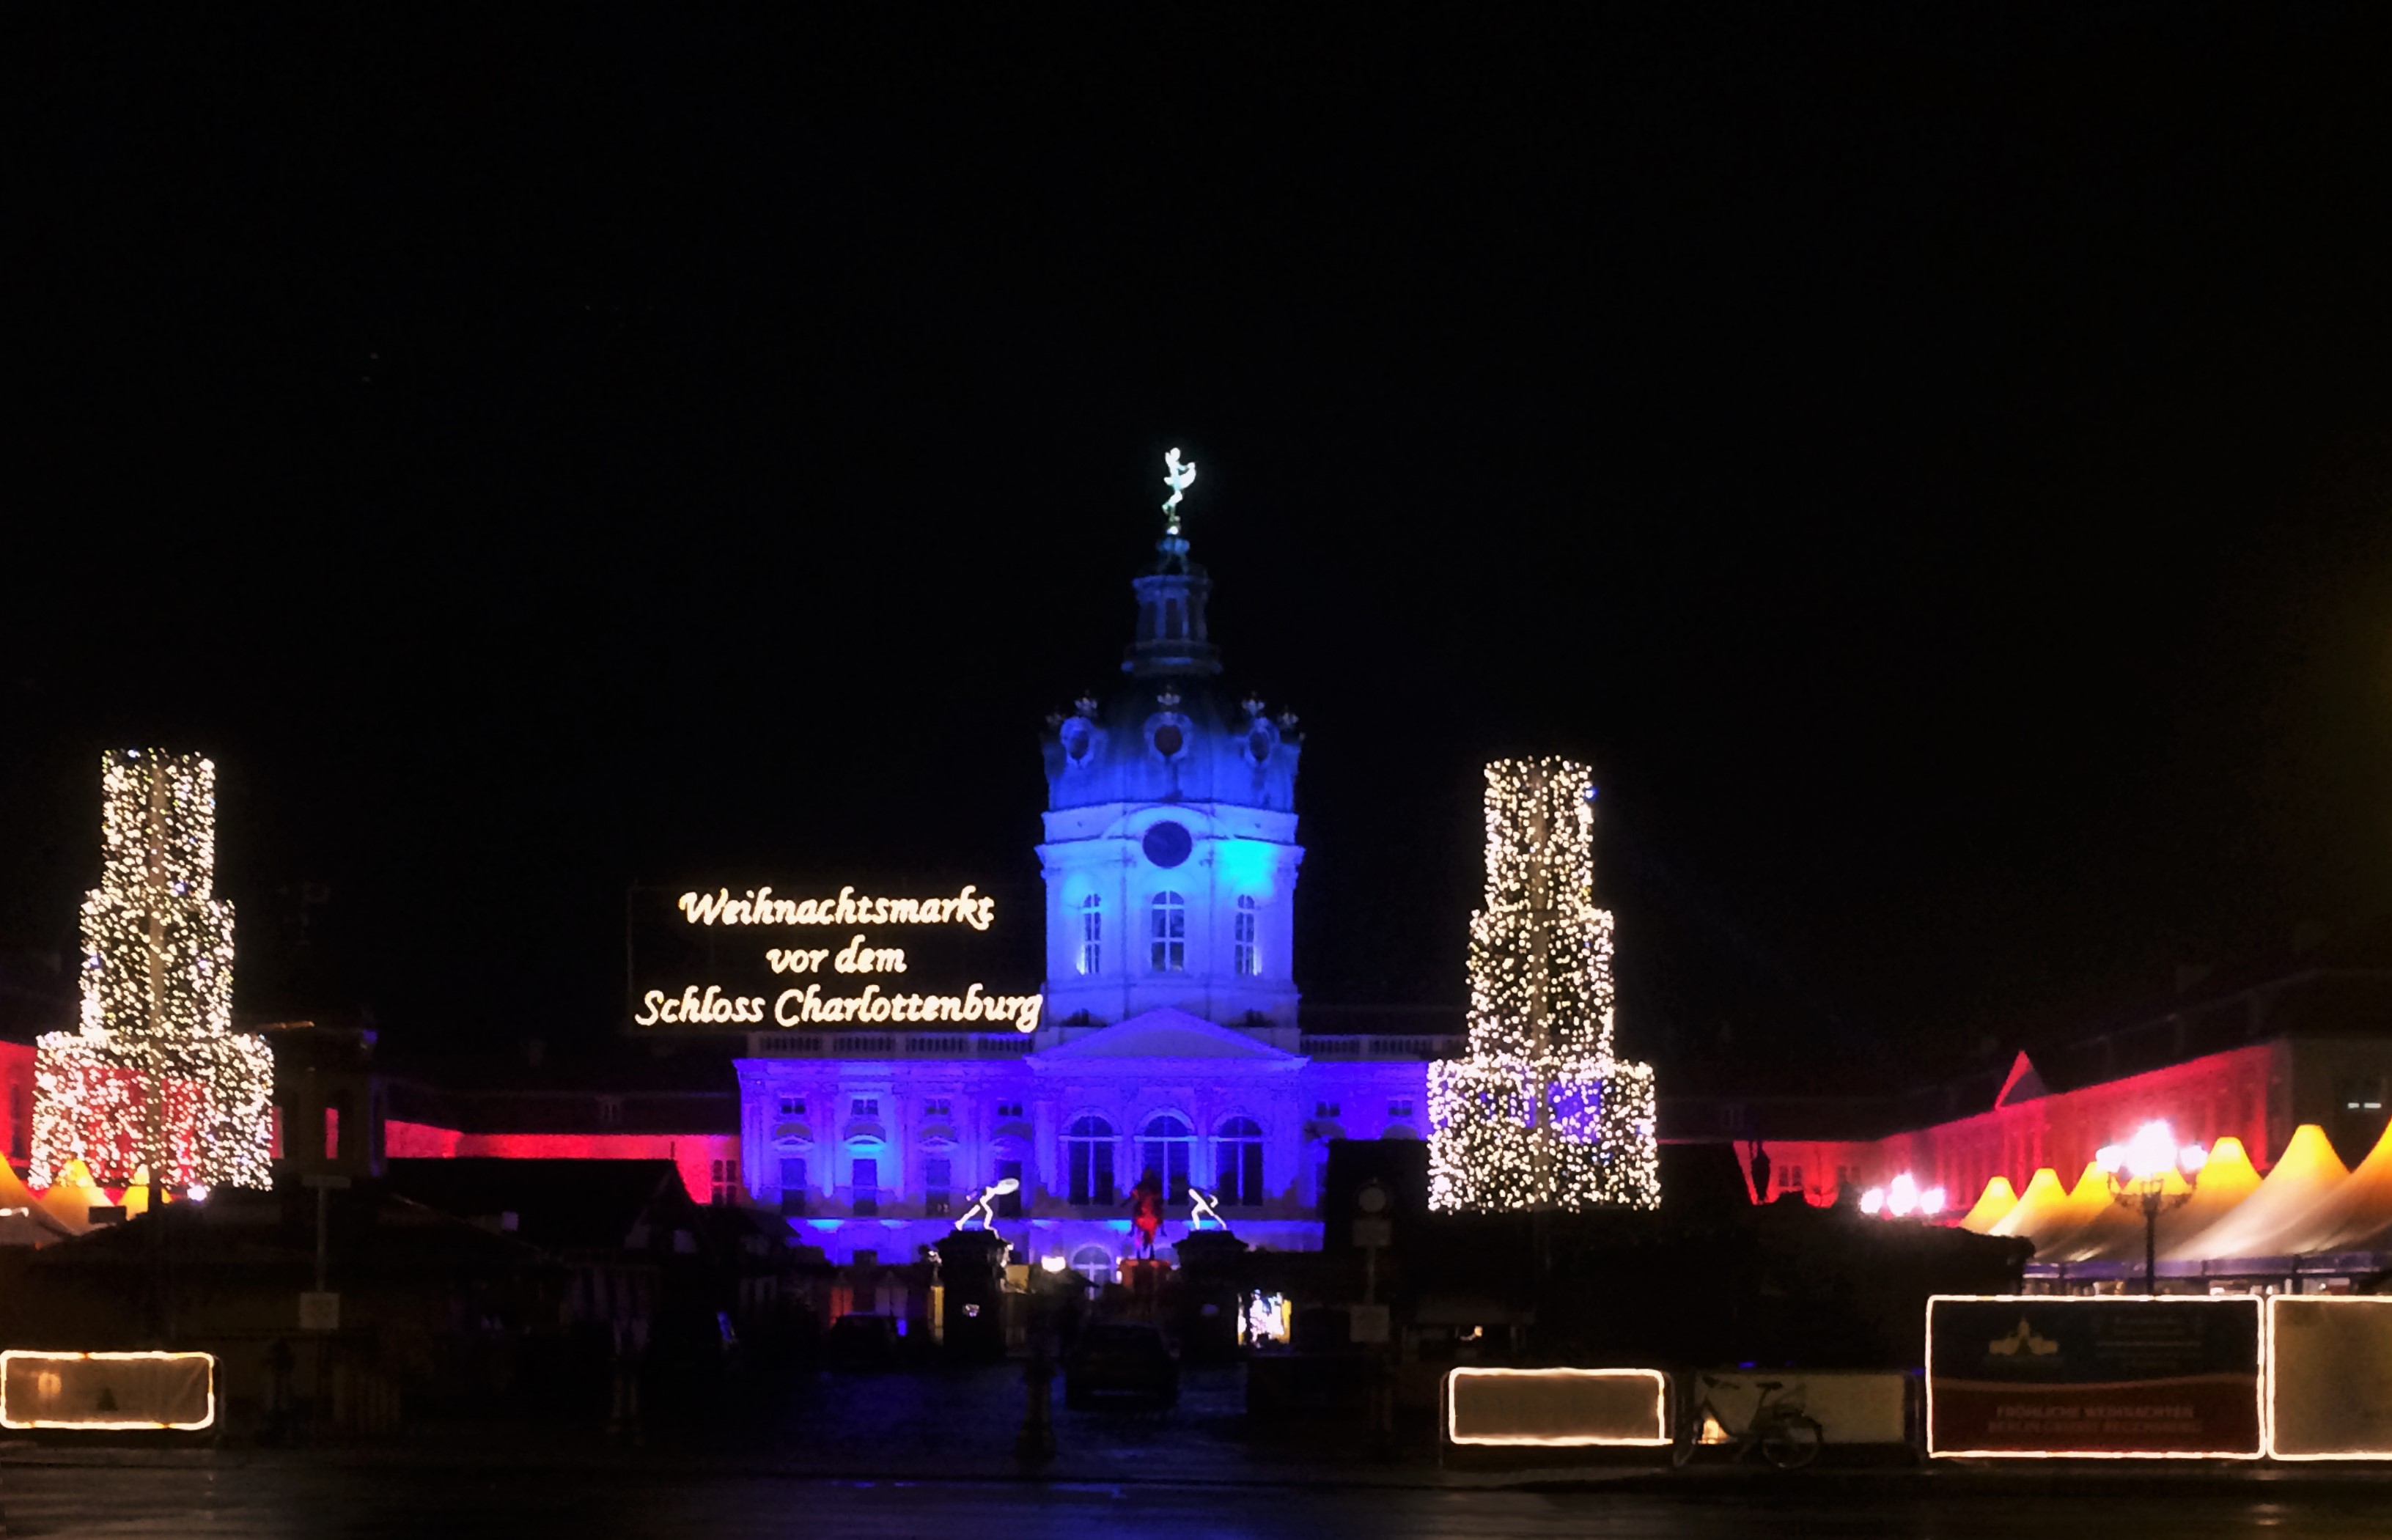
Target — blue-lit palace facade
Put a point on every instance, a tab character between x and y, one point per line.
1172	1038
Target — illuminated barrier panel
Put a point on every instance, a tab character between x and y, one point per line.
1558	1408
104	1392
2330	1377
2043	1376
1848	1407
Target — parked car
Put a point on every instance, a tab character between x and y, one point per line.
1124	1359
861	1341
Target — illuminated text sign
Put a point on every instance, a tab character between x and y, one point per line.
842	957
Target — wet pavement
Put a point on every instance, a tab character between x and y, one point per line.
932	1453
334	1503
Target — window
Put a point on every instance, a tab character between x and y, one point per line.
1092	934
1163	1148
936	1108
1088	1159
864	1182
1009	1109
726	1184
1790	1177
864	1106
1238	1163
1008	1205
331	1134
793	1184
1248	959
1324	1109
1399	1109
1094	1263
1167	933
937	1191
610	1112
793	1106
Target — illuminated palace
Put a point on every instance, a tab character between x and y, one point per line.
1169	1040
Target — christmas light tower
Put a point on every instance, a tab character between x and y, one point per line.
1540	1115
155	1076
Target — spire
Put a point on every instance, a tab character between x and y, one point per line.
1172	638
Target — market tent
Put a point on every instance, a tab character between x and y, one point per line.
1999	1199
71	1198
2117	1235
2353	1211
136	1196
2088	1202
2043	1195
2282	1206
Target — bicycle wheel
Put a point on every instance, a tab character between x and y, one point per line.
1792	1443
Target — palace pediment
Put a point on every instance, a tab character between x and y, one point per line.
1165	1033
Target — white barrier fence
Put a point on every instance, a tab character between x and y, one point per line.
107	1392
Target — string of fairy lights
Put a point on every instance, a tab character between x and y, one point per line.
1540	1114
154	1070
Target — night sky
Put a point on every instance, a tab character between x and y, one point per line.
1933	462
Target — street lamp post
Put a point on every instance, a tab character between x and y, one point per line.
2151	1172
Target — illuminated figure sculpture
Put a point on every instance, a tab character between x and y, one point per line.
155	1076
983	1202
1146	1211
1180	478
1540	1115
1201	1208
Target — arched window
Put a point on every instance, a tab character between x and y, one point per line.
1164	1146
1094	1263
1249	960
1092	933
1168	933
1088	1157
1238	1162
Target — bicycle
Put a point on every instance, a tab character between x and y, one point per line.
1786	1437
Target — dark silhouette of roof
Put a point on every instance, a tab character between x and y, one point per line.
558	1204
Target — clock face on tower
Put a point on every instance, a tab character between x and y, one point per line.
1167	844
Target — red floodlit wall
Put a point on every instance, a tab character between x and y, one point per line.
2203	1099
15	1102
693	1153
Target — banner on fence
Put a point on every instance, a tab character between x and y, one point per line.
2094	1376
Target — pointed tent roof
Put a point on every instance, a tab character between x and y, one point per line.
2280	1206
1999	1199
2084	1204
2044	1195
73	1197
2226	1181
2358	1209
34	1226
2113	1231
1165	1033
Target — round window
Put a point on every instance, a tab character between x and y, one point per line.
1258	745
1076	738
1167	844
1167	739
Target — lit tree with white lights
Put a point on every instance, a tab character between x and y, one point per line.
155	1076
1540	1115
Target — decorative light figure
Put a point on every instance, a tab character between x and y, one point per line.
155	1075
1539	1114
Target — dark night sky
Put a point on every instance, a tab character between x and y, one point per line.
1933	462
